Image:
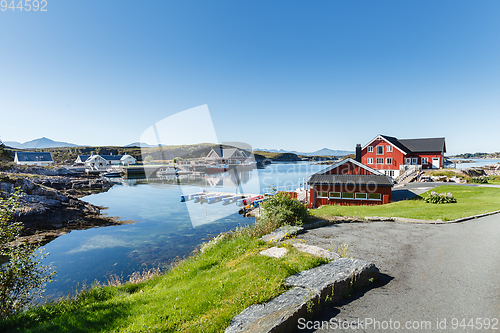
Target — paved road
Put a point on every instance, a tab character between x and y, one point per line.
429	273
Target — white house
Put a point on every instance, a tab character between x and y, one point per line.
229	156
33	158
101	161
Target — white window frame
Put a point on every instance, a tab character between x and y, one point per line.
360	193
348	198
379	199
370	149
339	197
321	197
387	161
369	160
380	160
382	147
407	160
389	149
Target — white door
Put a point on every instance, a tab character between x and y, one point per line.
414	161
435	162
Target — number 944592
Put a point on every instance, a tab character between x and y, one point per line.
24	5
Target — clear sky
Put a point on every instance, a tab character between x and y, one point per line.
296	75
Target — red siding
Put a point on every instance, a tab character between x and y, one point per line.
317	202
396	155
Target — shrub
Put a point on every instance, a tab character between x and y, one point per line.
440	198
479	180
22	276
275	212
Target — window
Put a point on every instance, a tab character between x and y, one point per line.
388	161
374	196
369	160
334	195
361	196
347	195
380	150
389	149
370	149
425	160
407	160
322	194
380	160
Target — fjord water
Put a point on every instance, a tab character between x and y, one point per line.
159	228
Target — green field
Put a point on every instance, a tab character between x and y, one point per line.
470	201
201	294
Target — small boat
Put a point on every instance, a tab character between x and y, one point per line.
248	201
112	174
166	171
188	197
216	168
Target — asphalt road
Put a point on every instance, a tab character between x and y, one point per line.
429	273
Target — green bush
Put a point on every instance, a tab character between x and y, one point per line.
275	212
440	198
479	180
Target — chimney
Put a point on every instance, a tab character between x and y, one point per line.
358	153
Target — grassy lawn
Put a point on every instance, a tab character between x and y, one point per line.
201	294
470	201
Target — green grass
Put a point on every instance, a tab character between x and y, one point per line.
494	180
470	201
201	294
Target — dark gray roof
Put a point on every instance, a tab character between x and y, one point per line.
397	143
424	145
83	158
33	157
379	180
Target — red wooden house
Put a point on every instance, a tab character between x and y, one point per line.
393	156
349	183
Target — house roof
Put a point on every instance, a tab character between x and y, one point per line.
228	152
361	165
33	157
371	180
408	146
424	145
84	158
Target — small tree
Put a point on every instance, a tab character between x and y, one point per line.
22	276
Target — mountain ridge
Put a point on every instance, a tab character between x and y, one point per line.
320	152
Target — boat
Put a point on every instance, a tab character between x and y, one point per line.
215	168
166	171
248	201
112	174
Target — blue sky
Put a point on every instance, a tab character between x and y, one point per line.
295	75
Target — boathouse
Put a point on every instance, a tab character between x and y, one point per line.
33	158
349	182
104	160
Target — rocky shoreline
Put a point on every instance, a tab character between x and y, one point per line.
50	204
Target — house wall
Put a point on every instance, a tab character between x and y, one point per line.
351	188
34	163
396	155
398	158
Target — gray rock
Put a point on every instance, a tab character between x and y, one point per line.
316	251
278	315
281	233
275	252
334	278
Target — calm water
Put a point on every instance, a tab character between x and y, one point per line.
163	228
477	163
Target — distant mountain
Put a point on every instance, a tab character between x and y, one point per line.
39	143
321	152
140	144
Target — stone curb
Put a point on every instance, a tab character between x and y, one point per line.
311	288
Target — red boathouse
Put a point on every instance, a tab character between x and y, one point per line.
349	182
